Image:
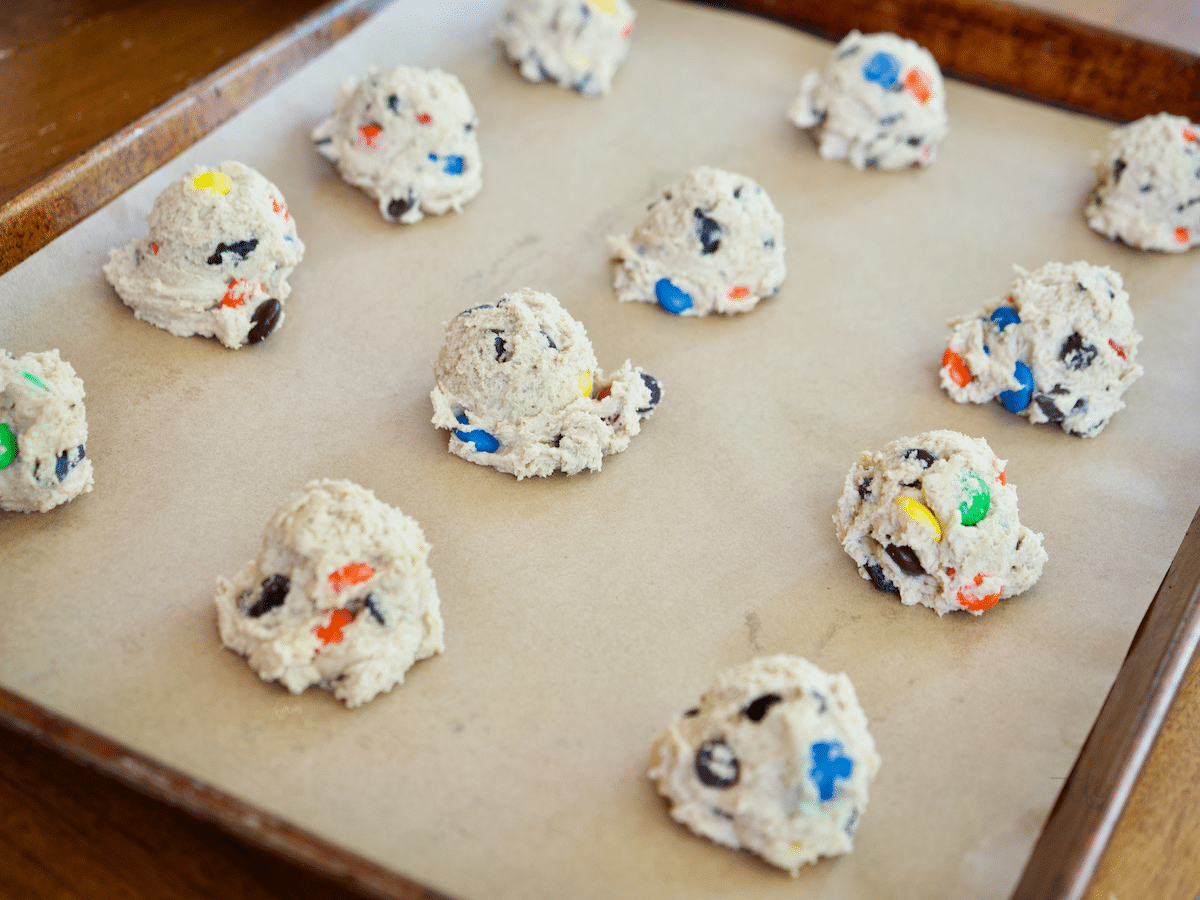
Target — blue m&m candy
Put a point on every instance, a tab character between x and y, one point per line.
672	298
829	762
484	442
882	68
451	164
1004	316
1016	400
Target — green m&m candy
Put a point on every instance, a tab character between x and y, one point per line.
978	498
8	446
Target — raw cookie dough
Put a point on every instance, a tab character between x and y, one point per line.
776	758
341	596
217	259
881	103
43	431
519	389
407	138
1061	348
1147	190
711	243
934	519
577	43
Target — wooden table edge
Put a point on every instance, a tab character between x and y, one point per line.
83	184
203	801
1034	55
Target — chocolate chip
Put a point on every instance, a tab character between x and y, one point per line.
274	593
709	231
1076	354
1118	168
761	706
875	571
63	463
912	484
924	457
906	558
655	391
1049	409
716	765
543	72
864	488
503	354
399	206
467	312
1079	284
373	608
266	317
324	140
1080	405
241	248
549	340
694	711
737	193
822	704
769	243
1059	389
852	821
393	103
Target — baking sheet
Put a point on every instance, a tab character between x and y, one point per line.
583	613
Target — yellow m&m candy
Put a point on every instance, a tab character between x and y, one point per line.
215	182
585	383
921	513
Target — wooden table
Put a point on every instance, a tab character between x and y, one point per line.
76	75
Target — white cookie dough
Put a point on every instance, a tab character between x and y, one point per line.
341	596
1060	348
1147	190
934	519
519	389
576	43
217	259
712	243
777	759
43	430
408	138
880	104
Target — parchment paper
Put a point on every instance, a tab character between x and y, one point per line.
582	613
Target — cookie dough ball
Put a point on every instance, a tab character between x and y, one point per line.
1061	348
934	519
713	243
776	758
881	103
341	596
217	259
1147	190
43	431
519	389
578	43
407	138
